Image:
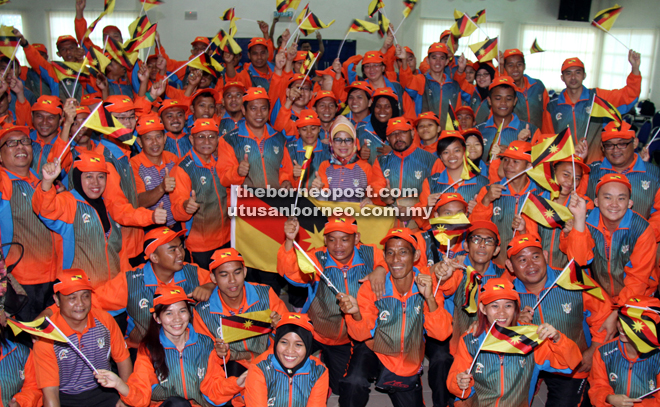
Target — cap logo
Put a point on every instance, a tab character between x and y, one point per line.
258	92
175	291
396	122
76	277
453	196
206	123
498	287
225	254
48	102
126	100
294	316
150	122
397	231
515	148
615	177
635	299
166	231
95	160
523	240
310	117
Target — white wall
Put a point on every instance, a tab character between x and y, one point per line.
176	33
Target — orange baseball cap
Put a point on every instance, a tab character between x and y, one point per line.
172	103
91	99
445	33
447	198
213	92
472	132
518	150
498	289
63	38
71	280
82	110
398	123
438	47
301	320
204	125
373	57
300	56
578	161
426	116
360	85
110	28
233	84
617	130
158	237
40	47
401	233
522	241
148	123
513	52
328	71
203	40
465	109
408	51
222	256
323	94
451	133
484	224
503	80
308	117
612	177
22	129
298	77
386	92
346	224
572	62
257	41
119	104
90	161
255	94
169	294
48	104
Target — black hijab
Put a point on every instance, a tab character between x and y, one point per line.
305	335
484	92
381	128
97	203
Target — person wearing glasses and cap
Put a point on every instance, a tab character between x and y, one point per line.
176	366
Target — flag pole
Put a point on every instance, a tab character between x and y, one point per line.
553	284
521	209
445	190
574	179
382	11
13	55
82	66
309	70
649	393
325	278
478	351
75	348
517	175
593	100
611	35
66	148
309	13
644	308
184	65
399	26
342	42
435	292
222	338
475	24
653	139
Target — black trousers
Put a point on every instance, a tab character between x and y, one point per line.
440	361
336	359
364	368
40	297
98	397
563	391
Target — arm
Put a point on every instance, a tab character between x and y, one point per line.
51	396
599	381
654	219
256	390
627	95
216	387
483	210
563	355
319	395
111	295
228	166
360	324
462	362
640	267
120	208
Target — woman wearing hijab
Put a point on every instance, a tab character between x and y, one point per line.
484	76
474	144
345	171
175	365
288	374
91	239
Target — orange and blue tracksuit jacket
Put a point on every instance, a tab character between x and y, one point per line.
195	374
46	71
266	157
615	372
623	261
256	297
430	95
479	106
149	176
250	77
397	323
508	379
40	150
208	228
18	223
268	384
296	151
227	124
321	306
645	182
17	377
178	144
134	290
36	84
440	181
409	169
576	314
509	133
533	103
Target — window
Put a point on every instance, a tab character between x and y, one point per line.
14	20
62	23
431	30
614	66
559	43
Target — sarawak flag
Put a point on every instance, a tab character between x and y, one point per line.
362	26
313	23
8	41
308	155
302	14
605	19
149	4
449	226
409	5
480	17
146	40
97	61
470	170
383	25
116	52
512	339
452	122
284	5
536	47
103	122
639	328
544	175
553	148
307	63
603	108
547	213
139	26
463	26
108	6
496	141
486	50
92	26
216	61
374	6
304	264
574	278
247	325
257	224
202	63
471	289
39	327
69	70
228	15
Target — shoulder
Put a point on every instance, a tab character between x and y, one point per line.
104	318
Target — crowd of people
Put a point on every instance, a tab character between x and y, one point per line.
125	247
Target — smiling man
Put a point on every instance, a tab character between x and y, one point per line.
173	115
46	117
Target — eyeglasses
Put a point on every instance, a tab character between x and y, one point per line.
347	141
13	143
488	241
619	146
209	137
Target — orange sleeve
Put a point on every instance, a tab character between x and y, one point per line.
54	206
625	95
218	388
361	330
494	171
322	175
37	61
242	77
599	312
23	113
227	165
277	88
142	105
256	392
120	208
578	245
141	381
80	26
180	194
464	85
449	286
409	110
599	382
200	326
480	211
203	275
561	355
375	177
46	369
642	261
438	324
139	182
287	265
56	150
424	194
174	93
111	295
462	362
654	219
276	304
547	127
390	59
405	76
30	394
319	395
284	123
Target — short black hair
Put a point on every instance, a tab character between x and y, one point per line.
203	95
245	104
446	142
354	89
515	94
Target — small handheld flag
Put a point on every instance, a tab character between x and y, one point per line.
383	25
228	15
553	148
409	5
247	325
603	108
480	17
362	26
149	4
485	50
605	19
577	279
512	339
639	328
374	6
536	47
318	270
452	122
284	5
449	226
470	170
544	175
472	283
304	264
102	121
496	140
39	327
547	213
464	26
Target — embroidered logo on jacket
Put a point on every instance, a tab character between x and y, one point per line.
144	303
479	368
567	307
246	148
276	149
418	174
613	377
646	185
101	343
384	315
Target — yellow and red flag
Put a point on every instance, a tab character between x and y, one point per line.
8	41
69	70
228	15
313	23
449	226
452	122
139	26
575	279
39	327
97	61
408	7
383	25
308	159
463	26
639	328
544	175
547	213
116	52
374	6
536	47
304	264
553	148
496	141
485	50
144	40
103	122
472	283
149	4
202	63
362	26
480	17
512	339
108	6
603	108
470	170
605	19
284	5
246	325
